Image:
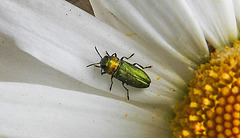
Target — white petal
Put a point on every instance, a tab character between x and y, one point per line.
40	111
63	36
163	24
217	19
236	4
105	15
108	17
165	87
18	66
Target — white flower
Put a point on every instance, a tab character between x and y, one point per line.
59	41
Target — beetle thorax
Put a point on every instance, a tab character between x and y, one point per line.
109	64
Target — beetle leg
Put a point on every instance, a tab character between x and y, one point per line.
134	64
94	64
111	83
114	54
126	89
97	66
107	53
127	57
102	72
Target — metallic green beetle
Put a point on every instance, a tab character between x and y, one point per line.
123	71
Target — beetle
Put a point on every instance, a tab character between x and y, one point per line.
122	70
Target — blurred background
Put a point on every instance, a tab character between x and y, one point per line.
83	4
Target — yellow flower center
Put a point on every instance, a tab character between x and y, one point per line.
212	106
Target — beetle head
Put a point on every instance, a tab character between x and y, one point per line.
108	64
104	62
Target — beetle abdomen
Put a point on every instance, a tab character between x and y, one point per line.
132	75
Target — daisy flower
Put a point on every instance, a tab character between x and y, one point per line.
47	91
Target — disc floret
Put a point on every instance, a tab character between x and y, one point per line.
212	106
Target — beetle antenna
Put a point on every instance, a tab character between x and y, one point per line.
94	65
107	53
98	52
